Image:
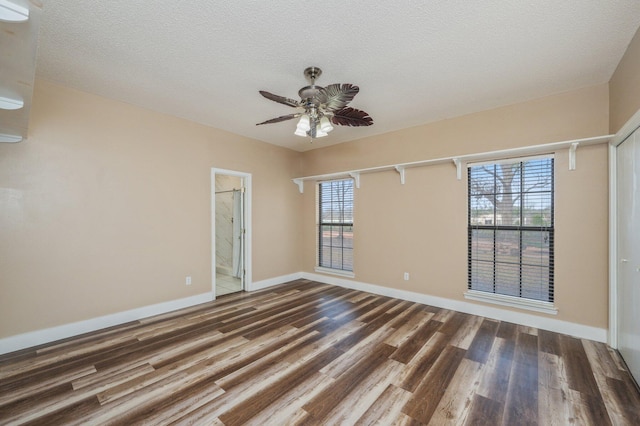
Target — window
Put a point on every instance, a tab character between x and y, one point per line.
335	225
510	228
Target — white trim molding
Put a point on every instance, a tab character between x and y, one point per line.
512	302
529	320
338	272
613	246
48	335
270	282
627	130
39	337
248	191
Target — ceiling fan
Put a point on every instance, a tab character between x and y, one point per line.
321	107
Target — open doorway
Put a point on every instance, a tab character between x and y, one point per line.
230	239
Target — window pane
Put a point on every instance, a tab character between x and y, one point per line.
481	209
507	210
535	248
507	205
336	257
535	282
482	276
537	209
507	246
347	259
347	235
508	279
325	257
482	244
538	175
326	236
336	236
326	213
482	180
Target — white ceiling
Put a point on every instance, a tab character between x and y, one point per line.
415	61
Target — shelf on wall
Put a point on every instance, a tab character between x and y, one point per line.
460	161
19	31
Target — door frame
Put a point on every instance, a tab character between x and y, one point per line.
246	249
627	130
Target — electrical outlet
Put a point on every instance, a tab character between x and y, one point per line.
406	276
187	281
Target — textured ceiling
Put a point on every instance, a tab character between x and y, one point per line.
415	61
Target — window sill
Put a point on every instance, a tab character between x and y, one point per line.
511	301
339	272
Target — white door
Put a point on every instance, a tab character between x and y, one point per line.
628	251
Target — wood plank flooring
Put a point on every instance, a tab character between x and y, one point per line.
310	353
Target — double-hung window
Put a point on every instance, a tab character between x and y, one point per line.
335	226
511	232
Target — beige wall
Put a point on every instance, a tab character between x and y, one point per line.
551	119
106	207
420	227
625	86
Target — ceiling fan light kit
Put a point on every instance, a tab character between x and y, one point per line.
10	103
4	138
322	107
11	12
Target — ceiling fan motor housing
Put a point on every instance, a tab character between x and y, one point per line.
308	92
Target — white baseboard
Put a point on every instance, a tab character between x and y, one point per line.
224	270
39	337
270	282
529	320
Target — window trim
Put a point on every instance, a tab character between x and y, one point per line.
512	301
325	269
542	306
332	271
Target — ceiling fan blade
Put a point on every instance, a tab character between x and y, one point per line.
337	96
280	99
281	118
351	117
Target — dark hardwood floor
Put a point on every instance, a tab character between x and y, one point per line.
310	353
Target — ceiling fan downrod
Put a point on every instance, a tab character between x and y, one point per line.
311	73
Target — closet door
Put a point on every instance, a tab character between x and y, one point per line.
628	251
